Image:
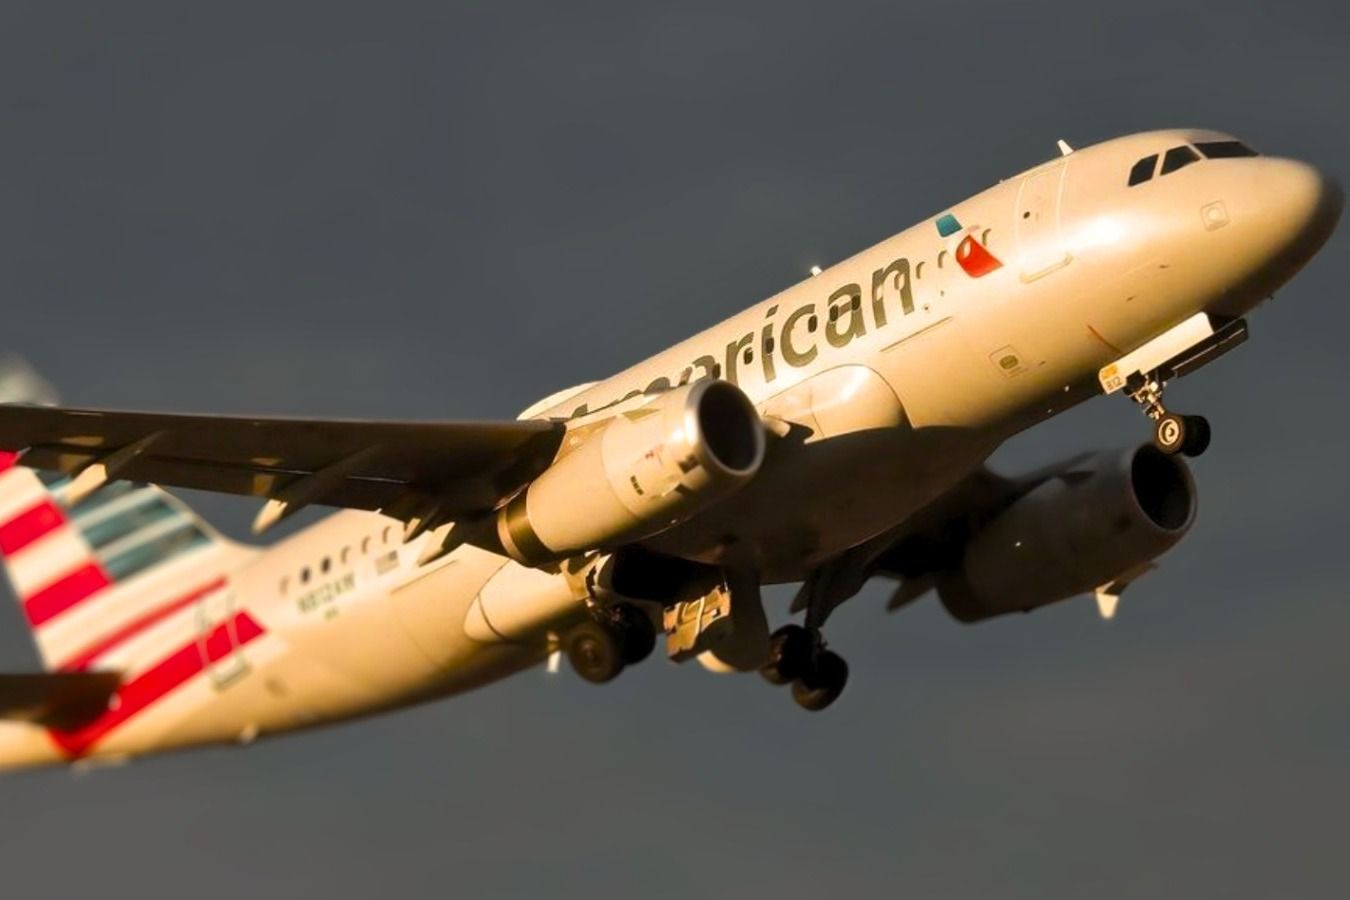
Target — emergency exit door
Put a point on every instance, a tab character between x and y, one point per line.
1040	244
218	638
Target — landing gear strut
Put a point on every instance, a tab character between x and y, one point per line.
1172	433
611	638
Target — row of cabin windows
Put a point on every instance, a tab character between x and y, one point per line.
1184	155
344	558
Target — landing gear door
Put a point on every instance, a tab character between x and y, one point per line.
1040	244
218	639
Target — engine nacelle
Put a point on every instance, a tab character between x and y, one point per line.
1073	533
645	470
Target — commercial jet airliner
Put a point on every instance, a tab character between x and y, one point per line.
831	434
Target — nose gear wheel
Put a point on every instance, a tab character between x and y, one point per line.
1173	433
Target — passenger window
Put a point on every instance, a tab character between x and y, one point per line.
285	585
1224	149
325	565
346	555
1143	170
304	575
1177	158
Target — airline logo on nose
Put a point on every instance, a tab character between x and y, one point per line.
971	255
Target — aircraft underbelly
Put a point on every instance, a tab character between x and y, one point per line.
851	466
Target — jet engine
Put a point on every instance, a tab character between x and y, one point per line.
1095	522
641	471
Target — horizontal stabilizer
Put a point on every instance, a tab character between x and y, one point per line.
64	700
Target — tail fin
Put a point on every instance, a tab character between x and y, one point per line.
95	573
92	574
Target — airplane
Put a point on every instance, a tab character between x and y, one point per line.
834	433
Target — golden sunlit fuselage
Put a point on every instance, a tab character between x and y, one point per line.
885	379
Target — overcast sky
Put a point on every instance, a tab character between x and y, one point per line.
446	211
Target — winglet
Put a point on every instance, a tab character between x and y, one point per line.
1064	148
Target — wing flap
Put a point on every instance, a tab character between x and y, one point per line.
465	466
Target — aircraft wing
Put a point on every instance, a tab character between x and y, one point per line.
460	467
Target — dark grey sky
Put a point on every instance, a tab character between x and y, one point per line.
444	210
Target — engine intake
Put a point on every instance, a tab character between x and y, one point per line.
646	469
1072	533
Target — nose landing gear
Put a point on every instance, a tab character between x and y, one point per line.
1175	353
1172	433
1181	434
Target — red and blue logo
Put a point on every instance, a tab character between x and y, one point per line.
971	255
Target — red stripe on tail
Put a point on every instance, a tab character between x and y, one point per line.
65	592
80	661
29	525
161	679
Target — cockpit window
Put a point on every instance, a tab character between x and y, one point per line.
1177	158
1143	170
1224	149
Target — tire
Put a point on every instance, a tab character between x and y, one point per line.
823	684
594	652
636	633
789	655
1171	433
1197	436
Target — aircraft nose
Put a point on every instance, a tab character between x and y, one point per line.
1303	203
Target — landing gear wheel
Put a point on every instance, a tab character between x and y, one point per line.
1171	433
789	655
1197	435
823	682
635	631
1182	434
595	652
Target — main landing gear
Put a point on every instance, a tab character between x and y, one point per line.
1172	433
797	653
797	656
611	638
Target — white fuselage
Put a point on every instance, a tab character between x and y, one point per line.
904	367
